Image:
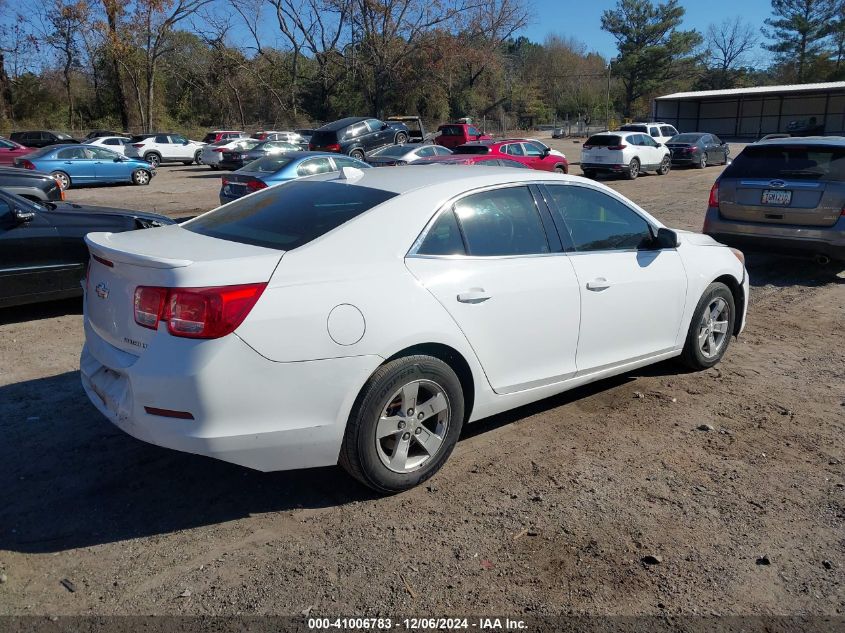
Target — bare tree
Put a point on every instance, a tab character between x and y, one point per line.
728	45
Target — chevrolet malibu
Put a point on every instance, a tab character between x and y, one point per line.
363	317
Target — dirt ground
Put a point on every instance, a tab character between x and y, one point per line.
550	509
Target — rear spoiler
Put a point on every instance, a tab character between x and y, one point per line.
98	243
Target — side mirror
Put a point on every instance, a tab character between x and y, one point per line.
666	238
384	126
22	216
118	159
547	151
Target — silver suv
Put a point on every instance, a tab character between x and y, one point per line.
784	195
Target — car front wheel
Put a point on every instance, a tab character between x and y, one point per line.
401	138
141	177
711	328
665	166
198	157
404	424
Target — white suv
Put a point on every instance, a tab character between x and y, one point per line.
628	153
165	148
660	132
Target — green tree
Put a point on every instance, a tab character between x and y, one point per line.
800	32
652	50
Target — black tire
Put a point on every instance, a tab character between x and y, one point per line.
560	169
187	162
665	166
633	169
693	356
153	159
213	167
357	153
141	177
63	179
589	173
401	138
360	453
702	162
197	158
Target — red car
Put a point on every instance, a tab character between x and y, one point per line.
453	134
529	152
9	151
483	160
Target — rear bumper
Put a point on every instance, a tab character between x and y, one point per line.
230	165
605	168
778	238
247	410
680	161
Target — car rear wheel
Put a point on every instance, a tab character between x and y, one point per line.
141	177
665	166
401	138
633	169
197	157
153	159
589	173
404	424
710	329
63	179
357	153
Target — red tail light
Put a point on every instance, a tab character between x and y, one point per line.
196	312
714	195
219	149
225	180
138	145
617	147
27	164
334	147
256	185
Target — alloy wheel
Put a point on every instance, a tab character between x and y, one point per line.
413	426
62	179
713	328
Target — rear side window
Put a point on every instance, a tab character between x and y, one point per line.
288	216
603	140
653	131
444	237
598	222
502	222
801	162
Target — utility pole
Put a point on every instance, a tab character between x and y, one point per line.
607	99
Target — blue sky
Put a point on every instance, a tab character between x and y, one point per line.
582	19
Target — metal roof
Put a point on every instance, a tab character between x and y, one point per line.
757	90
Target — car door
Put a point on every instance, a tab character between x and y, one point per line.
31	255
515	152
632	295
180	147
108	166
538	158
377	137
651	149
496	266
76	163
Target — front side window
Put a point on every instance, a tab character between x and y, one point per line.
314	166
502	222
654	131
424	152
513	149
178	138
348	161
597	221
444	237
100	153
374	125
532	149
668	130
473	131
356	130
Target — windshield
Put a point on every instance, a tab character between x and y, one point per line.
685	138
288	216
802	162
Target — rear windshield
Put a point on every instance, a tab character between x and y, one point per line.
288	216
604	140
802	162
634	128
327	137
40	152
209	138
471	149
267	164
685	138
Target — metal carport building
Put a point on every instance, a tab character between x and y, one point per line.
749	113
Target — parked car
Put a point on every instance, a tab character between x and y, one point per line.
41	138
275	169
659	131
698	149
43	255
627	153
168	147
783	195
212	153
98	133
32	185
9	151
305	134
805	127
404	154
236	158
454	134
530	153
481	160
558	132
363	318
215	136
74	165
356	136
287	137
117	144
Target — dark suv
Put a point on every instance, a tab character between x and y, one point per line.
41	138
357	136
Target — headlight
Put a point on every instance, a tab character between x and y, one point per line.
739	255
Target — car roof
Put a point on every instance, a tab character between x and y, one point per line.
342	123
804	140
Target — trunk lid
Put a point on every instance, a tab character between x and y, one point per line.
169	257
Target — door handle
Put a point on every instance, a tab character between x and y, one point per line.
473	295
598	284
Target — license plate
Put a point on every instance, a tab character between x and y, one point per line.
598	159
776	196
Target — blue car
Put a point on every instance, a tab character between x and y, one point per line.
278	168
73	165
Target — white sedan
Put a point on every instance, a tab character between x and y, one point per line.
212	153
364	317
116	144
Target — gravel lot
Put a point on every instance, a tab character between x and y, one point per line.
550	509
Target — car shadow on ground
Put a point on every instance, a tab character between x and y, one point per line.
766	269
74	480
213	174
37	311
